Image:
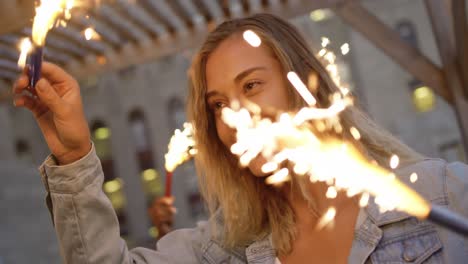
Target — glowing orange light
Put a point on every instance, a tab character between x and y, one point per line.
25	47
181	148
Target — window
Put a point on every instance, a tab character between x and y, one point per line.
176	111
23	151
150	177
113	186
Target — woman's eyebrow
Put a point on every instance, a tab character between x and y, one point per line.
211	94
245	73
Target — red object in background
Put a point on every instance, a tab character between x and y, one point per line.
168	184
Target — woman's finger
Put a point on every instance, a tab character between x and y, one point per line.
21	84
49	96
55	74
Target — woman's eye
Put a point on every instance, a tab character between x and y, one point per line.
250	85
219	105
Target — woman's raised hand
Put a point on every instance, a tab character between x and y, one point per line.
58	110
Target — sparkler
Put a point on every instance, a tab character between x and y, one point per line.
327	159
181	149
46	17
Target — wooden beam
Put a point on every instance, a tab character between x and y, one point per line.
198	20
161	8
136	13
442	25
385	38
114	18
461	40
108	34
235	9
214	9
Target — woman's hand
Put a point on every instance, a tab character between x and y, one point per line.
162	213
59	112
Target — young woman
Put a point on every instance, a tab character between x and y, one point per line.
251	222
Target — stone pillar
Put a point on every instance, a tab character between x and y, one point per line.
126	164
7	142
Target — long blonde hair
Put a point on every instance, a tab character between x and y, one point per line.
249	208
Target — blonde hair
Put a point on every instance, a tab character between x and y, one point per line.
249	208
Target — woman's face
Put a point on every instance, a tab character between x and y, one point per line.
237	71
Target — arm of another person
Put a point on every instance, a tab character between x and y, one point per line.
85	222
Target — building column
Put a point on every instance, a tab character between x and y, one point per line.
7	141
126	164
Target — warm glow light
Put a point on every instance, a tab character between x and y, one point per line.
364	200
325	42
90	34
331	192
424	99
252	38
320	15
327	218
345	49
149	174
25	47
301	88
102	133
46	14
112	186
413	177
394	161
355	133
153	232
181	147
278	177
269	167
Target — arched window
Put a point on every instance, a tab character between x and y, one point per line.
113	185
422	96
176	110
23	151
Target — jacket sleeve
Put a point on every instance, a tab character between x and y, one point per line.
87	227
457	187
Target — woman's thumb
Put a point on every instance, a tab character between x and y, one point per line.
48	95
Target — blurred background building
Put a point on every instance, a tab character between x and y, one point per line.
133	76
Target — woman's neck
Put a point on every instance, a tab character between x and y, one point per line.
308	213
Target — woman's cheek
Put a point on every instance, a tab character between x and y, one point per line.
225	133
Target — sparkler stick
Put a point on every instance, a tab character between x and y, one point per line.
181	149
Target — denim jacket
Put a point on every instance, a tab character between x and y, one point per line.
88	231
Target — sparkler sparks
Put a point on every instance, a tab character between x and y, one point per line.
320	158
252	38
301	88
25	47
413	177
394	161
181	148
89	34
327	218
47	15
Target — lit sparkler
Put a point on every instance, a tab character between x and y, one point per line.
47	14
181	149
317	156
